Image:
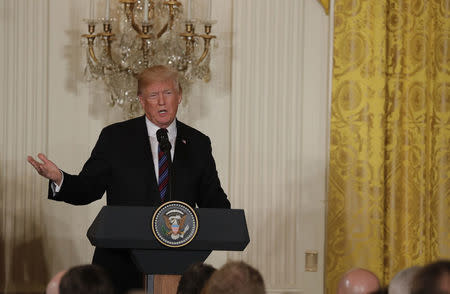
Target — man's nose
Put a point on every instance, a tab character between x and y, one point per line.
161	100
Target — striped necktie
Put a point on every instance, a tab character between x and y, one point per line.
163	181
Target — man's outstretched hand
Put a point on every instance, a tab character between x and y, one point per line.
46	169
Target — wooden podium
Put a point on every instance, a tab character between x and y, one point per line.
129	227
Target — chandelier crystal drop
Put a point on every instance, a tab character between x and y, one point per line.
148	32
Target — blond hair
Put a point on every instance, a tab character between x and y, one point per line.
157	73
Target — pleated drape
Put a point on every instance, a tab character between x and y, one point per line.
389	172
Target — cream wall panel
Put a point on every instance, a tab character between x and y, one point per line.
23	130
278	135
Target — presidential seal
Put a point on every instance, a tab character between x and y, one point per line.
174	224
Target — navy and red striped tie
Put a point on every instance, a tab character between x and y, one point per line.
163	180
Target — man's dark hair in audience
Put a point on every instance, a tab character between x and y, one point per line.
194	278
86	279
382	290
235	278
433	278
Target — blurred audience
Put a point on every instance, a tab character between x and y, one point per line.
194	278
402	281
53	285
382	290
235	278
358	281
433	278
86	279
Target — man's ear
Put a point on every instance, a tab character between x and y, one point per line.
141	101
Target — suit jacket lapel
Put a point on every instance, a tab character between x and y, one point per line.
180	159
181	150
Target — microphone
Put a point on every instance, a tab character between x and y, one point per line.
163	140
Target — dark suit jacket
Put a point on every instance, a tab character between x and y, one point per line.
121	164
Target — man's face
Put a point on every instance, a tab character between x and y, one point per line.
160	102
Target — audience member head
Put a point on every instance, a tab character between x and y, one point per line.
382	290
194	278
358	281
53	285
235	278
433	278
86	279
401	283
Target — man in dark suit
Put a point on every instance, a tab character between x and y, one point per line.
125	163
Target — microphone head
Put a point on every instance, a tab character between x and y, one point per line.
161	135
163	140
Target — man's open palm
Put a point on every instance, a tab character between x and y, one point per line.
46	169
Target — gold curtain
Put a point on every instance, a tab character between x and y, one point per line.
389	173
326	5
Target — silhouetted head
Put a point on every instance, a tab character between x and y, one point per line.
235	278
433	279
86	279
194	278
358	281
53	285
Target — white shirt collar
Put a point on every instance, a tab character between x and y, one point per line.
152	128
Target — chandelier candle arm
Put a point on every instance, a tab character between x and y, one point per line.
129	12
107	39
90	36
169	25
189	37
207	37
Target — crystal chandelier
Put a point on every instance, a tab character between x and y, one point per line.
149	32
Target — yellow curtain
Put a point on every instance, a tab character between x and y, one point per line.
326	5
389	173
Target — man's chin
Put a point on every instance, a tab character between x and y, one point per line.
163	123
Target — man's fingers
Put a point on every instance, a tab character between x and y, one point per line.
43	158
33	162
46	169
37	166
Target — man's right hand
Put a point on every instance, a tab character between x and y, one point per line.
46	169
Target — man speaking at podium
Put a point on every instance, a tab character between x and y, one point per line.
131	162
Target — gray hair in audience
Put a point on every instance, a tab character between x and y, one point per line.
402	281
